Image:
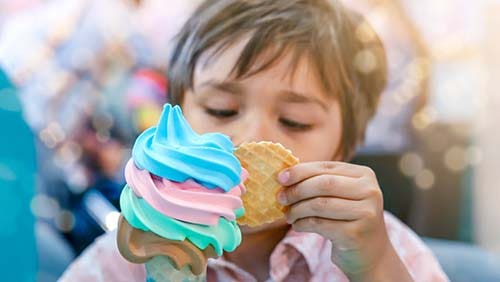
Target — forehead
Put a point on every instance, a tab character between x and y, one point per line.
219	66
291	70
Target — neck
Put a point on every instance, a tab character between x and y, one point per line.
255	250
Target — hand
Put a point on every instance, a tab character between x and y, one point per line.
343	203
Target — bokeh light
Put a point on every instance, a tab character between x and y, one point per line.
425	179
65	221
411	164
365	32
365	61
45	207
455	158
112	220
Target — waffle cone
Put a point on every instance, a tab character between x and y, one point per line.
263	161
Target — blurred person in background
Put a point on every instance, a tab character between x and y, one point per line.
74	64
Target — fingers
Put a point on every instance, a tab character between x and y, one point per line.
325	185
303	171
344	235
327	208
322	226
334	199
328	228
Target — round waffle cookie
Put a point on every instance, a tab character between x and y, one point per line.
263	161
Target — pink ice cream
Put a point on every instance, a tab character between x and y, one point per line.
187	201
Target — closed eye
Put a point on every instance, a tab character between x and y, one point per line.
221	113
294	125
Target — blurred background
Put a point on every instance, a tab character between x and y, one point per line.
79	79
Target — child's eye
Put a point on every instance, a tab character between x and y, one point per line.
221	113
294	125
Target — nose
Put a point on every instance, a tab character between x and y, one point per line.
254	131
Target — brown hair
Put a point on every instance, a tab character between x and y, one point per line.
347	54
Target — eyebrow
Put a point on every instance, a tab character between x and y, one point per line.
295	97
230	87
233	87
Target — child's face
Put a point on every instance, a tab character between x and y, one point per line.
271	105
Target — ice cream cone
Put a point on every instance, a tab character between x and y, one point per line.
140	246
162	269
263	161
181	201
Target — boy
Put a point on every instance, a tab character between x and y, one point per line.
288	71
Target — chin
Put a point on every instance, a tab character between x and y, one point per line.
246	230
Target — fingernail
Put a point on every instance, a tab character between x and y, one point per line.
282	198
284	176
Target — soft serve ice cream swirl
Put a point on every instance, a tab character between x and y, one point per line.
181	185
174	151
176	199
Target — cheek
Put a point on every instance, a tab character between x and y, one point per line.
199	120
320	144
316	147
194	114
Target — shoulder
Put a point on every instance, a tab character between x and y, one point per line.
102	261
417	257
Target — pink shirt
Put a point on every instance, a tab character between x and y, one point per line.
298	257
